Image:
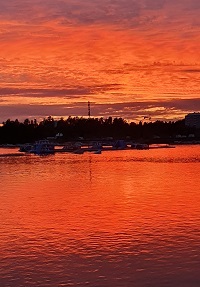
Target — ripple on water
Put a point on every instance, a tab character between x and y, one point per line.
124	218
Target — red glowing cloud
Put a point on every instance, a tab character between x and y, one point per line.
65	52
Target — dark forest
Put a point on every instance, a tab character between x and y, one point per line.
75	128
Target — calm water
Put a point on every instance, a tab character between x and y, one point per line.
122	218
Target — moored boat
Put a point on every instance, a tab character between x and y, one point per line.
43	147
139	146
97	151
26	148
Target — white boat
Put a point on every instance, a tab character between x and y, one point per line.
43	147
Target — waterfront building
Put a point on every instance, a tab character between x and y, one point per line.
192	120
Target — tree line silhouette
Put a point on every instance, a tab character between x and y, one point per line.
75	128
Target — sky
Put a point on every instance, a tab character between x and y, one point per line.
129	58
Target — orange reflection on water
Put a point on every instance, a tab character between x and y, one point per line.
122	215
118	191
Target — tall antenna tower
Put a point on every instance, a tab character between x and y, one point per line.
88	109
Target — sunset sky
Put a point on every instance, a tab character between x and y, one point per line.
129	58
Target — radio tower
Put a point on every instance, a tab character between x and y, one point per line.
88	109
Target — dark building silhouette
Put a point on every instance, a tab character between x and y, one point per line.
192	120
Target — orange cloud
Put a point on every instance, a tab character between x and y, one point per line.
118	51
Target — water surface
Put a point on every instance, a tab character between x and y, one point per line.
121	218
